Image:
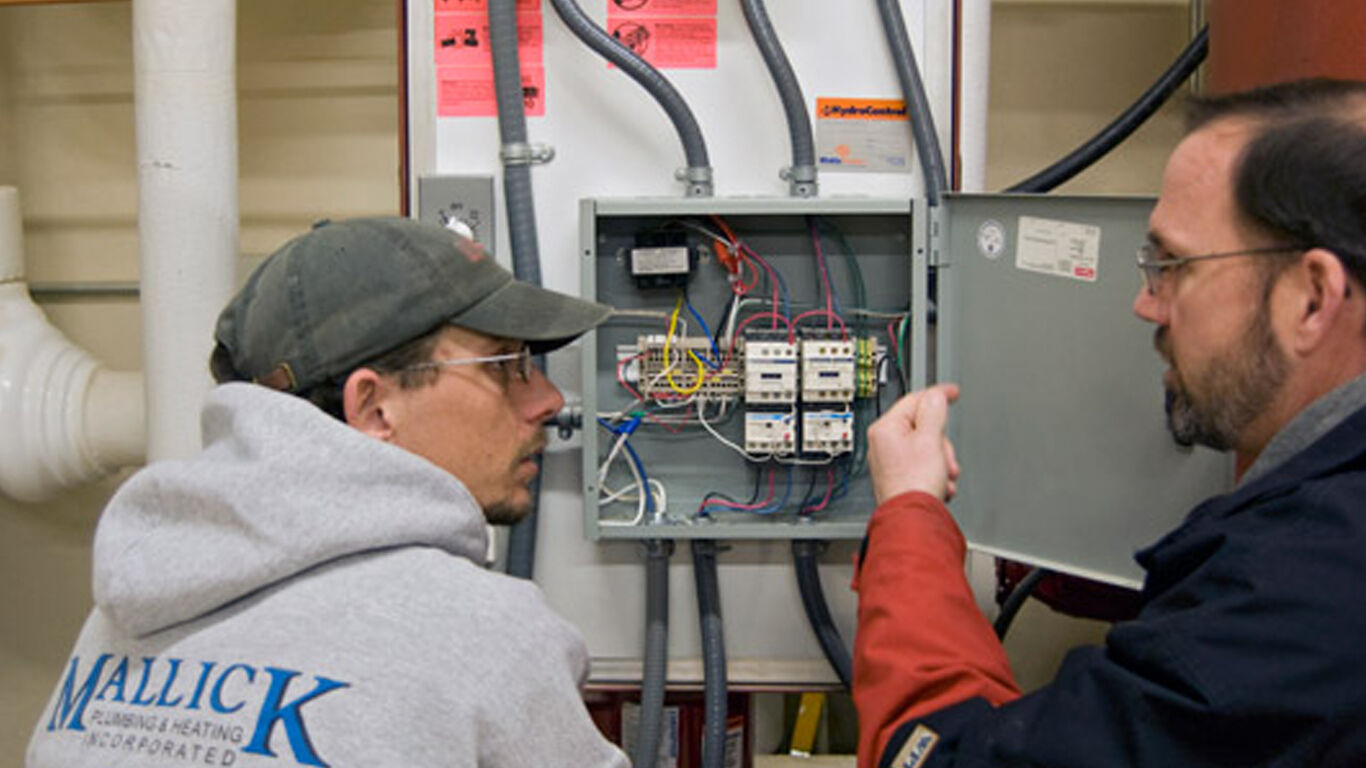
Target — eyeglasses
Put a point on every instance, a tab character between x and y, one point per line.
1154	267
518	364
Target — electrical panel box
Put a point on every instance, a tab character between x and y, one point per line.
802	320
744	383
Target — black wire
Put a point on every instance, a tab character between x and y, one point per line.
806	497
1128	121
753	497
804	554
1017	599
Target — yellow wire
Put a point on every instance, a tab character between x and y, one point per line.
669	369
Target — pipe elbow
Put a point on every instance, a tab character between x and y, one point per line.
66	419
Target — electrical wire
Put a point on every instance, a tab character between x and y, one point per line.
1123	126
831	304
645	499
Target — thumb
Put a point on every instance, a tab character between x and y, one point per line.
932	415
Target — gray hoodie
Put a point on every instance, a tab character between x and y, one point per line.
302	594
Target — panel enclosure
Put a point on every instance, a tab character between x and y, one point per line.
1067	461
784	487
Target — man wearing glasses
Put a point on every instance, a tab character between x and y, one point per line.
1248	649
310	589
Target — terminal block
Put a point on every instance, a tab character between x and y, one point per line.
677	377
770	433
868	360
827	432
770	370
827	370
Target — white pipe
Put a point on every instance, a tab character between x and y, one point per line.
64	419
185	100
974	93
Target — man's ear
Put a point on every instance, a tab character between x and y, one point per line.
1321	285
363	403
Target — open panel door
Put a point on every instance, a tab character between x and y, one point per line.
1067	461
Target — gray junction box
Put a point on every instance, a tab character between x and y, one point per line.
1060	431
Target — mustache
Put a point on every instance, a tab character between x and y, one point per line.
1162	343
533	447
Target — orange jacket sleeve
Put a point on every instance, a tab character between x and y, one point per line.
922	644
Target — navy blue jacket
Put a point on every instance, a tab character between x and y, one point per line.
1250	648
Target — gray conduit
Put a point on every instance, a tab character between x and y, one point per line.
654	677
801	177
698	174
713	653
521	213
922	119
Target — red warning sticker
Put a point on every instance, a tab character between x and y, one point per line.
482	6
668	43
469	92
462	40
662	7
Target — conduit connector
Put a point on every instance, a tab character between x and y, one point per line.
526	154
65	419
698	179
566	420
801	180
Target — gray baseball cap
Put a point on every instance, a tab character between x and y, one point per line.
349	291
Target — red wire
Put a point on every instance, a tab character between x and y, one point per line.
829	491
739	505
844	330
621	379
825	275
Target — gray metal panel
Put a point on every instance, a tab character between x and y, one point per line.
1060	431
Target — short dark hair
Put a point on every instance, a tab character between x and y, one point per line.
328	394
1301	179
1279	102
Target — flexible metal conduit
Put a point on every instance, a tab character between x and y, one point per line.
1123	126
804	554
801	177
697	175
521	213
922	119
713	653
655	673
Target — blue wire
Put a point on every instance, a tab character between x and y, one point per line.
769	509
628	428
644	479
715	362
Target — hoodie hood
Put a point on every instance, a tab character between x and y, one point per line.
280	488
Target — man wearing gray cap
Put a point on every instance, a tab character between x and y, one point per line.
310	588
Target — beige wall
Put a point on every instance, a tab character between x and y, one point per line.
318	133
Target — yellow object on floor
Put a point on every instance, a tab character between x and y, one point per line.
808	720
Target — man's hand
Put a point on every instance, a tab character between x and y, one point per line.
908	449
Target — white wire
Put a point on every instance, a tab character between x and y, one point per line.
657	492
876	313
635	472
701	416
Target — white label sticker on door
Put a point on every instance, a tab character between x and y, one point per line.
1061	248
